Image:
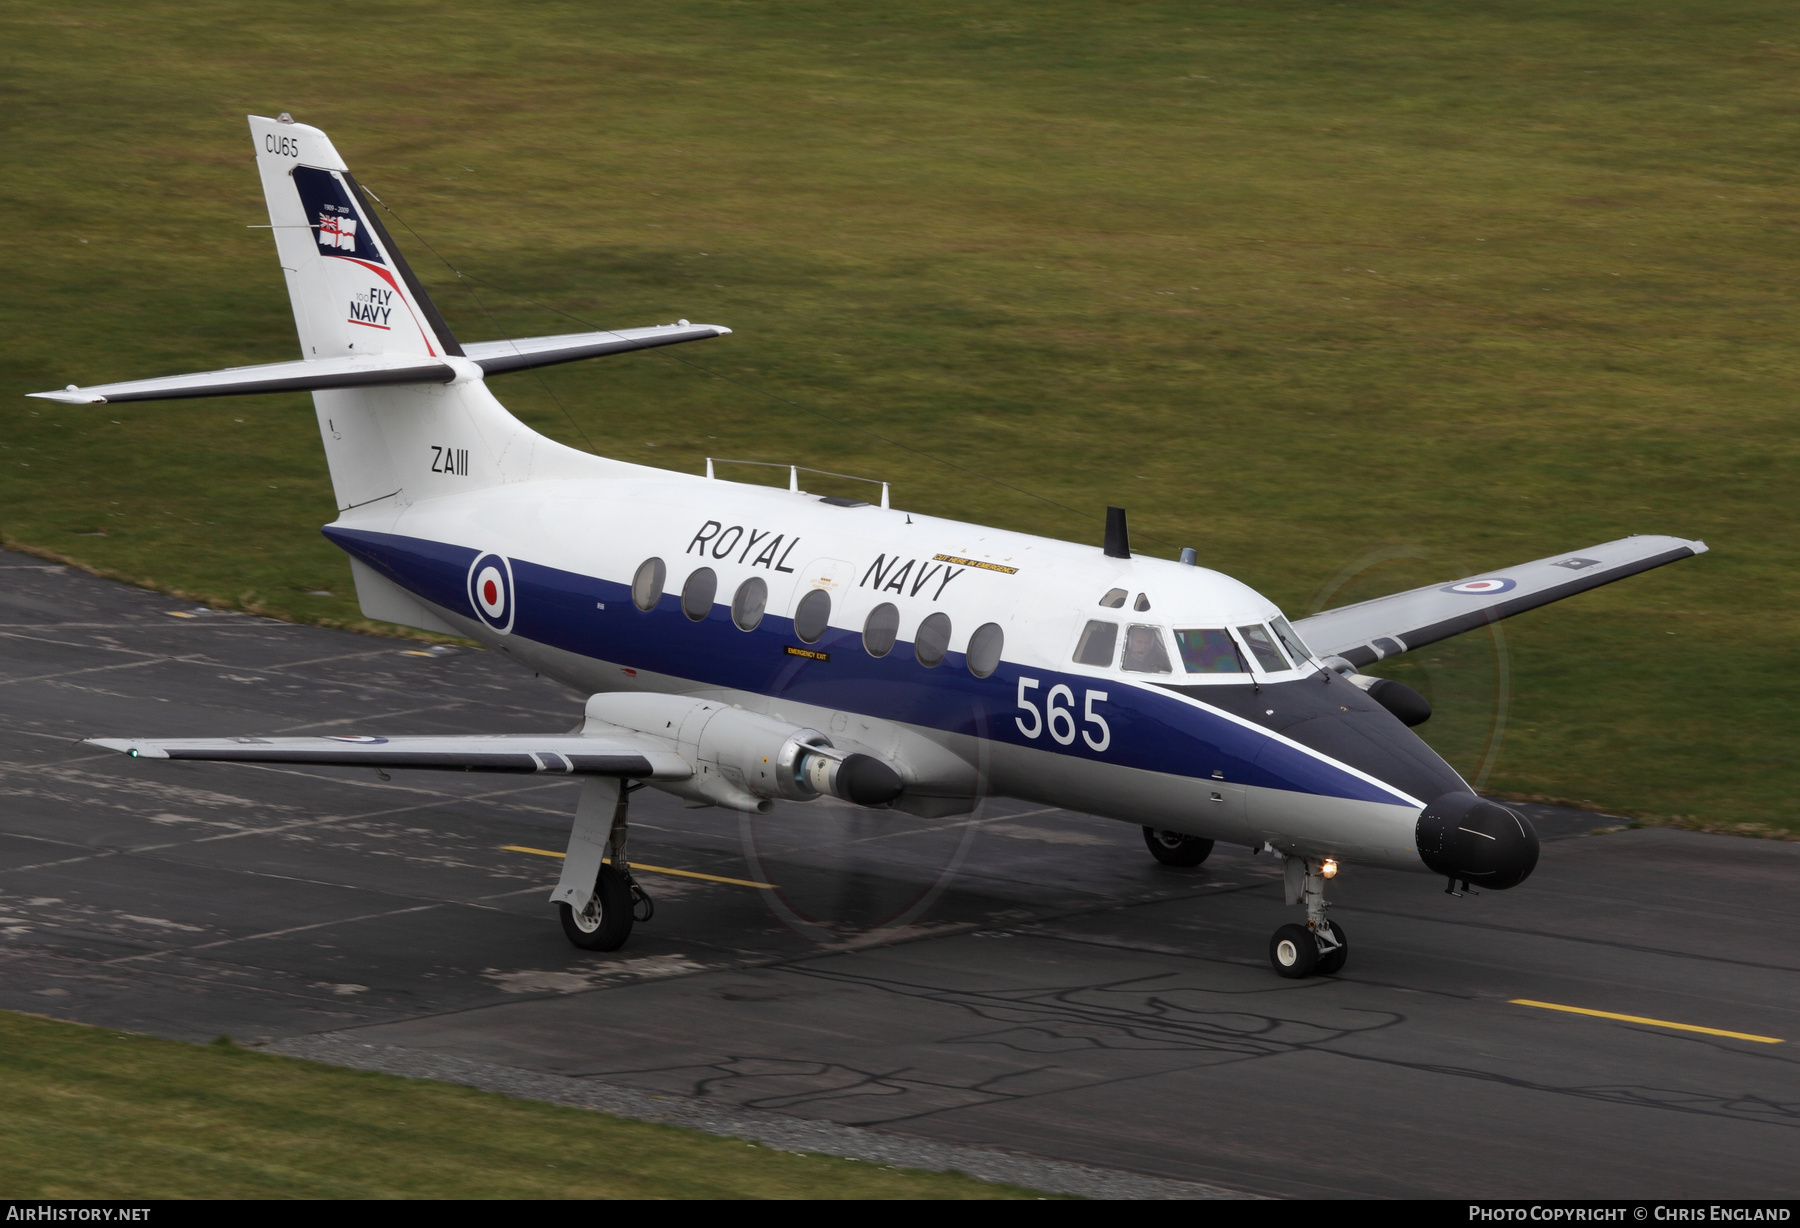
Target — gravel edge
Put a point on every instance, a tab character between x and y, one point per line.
770	1129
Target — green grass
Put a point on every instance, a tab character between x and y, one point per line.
1399	290
93	1113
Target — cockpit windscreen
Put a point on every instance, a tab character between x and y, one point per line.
1209	650
1262	646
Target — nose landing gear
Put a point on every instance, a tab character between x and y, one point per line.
1318	948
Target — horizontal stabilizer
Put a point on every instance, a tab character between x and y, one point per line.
1371	630
624	754
271	377
327	373
497	356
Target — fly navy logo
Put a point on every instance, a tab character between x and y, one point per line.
335	230
735	541
896	577
373	307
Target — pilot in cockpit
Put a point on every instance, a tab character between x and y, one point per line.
1144	651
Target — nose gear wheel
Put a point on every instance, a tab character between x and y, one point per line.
1319	947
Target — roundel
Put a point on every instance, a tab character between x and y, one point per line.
1482	588
491	591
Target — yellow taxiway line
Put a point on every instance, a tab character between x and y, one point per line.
1655	1023
638	865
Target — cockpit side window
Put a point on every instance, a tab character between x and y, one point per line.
1262	647
1114	599
1290	640
1209	650
1144	650
1096	646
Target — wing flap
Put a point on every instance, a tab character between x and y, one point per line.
1400	622
622	754
497	356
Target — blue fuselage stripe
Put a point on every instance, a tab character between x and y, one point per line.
1150	728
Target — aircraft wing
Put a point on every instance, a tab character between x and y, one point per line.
1370	630
612	754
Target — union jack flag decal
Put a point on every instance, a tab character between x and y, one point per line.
338	232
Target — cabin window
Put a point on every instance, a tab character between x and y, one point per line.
932	640
698	593
748	605
1114	599
1262	646
984	649
1209	650
1291	641
1144	650
1097	640
647	585
1142	604
880	629
812	615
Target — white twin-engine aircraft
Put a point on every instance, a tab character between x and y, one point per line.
721	629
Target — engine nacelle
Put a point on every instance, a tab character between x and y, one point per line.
744	759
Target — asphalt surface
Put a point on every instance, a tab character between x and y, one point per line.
1018	979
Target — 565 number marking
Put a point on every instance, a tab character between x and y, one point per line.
1059	717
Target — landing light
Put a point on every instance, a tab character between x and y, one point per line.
1329	869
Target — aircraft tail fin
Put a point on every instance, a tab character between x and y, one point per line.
352	292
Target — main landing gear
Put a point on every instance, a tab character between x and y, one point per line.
1174	848
1318	948
617	901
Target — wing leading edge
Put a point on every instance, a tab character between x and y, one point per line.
621	754
1371	630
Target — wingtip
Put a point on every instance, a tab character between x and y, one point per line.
70	396
125	746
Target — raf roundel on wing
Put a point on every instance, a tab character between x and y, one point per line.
1482	588
491	591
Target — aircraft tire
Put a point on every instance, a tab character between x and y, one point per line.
607	923
1173	848
1293	952
1332	962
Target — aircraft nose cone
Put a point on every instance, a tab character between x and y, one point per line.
1466	837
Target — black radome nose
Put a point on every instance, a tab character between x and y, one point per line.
1462	836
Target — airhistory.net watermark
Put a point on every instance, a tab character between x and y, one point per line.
62	1213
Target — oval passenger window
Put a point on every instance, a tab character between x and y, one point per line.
647	585
697	594
879	630
984	649
933	640
748	606
812	615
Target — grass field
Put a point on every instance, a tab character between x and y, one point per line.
93	1113
1350	297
